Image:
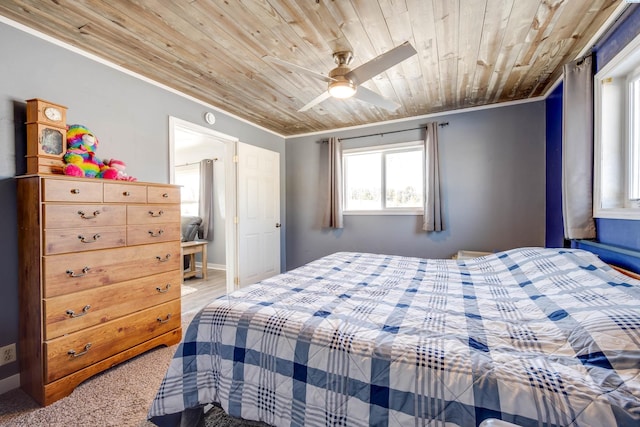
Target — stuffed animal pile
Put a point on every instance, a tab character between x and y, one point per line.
81	159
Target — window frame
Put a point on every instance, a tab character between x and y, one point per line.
632	145
613	133
383	150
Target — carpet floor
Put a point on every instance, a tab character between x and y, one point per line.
120	396
216	417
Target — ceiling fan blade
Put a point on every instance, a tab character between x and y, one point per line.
381	63
298	68
324	95
371	97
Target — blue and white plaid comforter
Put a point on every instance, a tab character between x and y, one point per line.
532	336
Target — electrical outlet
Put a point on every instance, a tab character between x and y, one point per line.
7	354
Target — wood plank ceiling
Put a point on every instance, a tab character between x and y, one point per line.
470	52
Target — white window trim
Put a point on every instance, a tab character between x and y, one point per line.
386	147
612	133
401	146
632	107
389	211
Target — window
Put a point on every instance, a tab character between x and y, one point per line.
617	136
633	168
385	179
188	176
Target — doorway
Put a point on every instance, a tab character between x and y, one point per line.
189	144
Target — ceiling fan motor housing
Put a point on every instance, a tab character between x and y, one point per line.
340	86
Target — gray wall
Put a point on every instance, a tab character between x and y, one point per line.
129	117
492	166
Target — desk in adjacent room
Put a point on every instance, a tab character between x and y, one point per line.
191	249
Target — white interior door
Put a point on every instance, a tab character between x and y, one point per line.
258	214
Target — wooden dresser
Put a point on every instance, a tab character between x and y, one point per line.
100	277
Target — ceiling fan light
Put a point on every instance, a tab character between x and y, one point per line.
342	89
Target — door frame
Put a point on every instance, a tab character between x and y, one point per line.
230	196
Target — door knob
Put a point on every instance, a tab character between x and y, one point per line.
278	225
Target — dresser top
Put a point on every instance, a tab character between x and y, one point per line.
83	179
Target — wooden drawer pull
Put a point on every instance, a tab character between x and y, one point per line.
154	234
165	320
75	191
84	215
126	193
165	195
85	310
165	259
92	240
73	353
155	215
166	288
84	271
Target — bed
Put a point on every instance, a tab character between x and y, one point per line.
531	336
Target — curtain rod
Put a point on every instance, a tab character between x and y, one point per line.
215	159
384	133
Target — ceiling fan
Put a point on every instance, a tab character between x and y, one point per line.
344	82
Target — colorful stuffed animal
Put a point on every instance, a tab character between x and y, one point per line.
80	157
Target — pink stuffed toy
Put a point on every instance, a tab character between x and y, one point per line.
120	167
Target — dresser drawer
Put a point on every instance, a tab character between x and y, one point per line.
160	194
55	190
155	214
124	193
75	216
68	273
63	240
72	312
152	233
72	352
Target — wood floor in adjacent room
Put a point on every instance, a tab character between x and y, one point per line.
196	292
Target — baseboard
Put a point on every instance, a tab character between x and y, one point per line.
9	383
213	266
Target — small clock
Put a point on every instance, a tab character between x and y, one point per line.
53	113
41	111
46	137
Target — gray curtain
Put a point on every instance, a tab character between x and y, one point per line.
433	220
206	200
577	150
332	217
